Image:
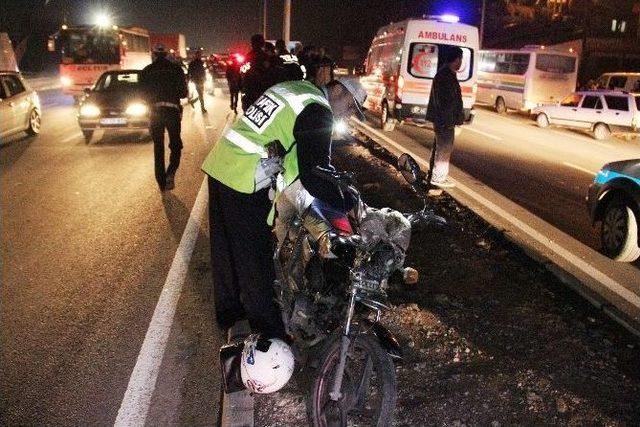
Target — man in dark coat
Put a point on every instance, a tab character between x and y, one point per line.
445	111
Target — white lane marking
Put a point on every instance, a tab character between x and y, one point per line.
586	268
70	138
142	382
571	165
488	135
137	399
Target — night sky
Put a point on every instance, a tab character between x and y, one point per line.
223	25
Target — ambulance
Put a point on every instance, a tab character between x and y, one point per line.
403	60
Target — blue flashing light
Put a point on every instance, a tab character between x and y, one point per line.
453	19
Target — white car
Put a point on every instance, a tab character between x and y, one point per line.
601	112
19	106
620	81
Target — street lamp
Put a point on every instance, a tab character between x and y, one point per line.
102	20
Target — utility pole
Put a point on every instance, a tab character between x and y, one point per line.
264	19
482	17
286	24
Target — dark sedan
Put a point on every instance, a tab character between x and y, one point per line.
614	200
115	102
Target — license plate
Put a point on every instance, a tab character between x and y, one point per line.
113	121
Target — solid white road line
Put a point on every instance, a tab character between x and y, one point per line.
585	267
137	399
488	135
71	138
571	165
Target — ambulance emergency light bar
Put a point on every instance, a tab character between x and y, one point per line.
452	19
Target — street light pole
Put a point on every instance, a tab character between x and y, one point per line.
482	16
286	24
264	19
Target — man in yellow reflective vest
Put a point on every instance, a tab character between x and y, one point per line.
282	137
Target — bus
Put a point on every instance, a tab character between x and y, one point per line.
526	78
88	51
403	60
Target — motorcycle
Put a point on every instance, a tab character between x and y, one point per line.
332	292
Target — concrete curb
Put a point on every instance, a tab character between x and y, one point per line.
610	286
237	408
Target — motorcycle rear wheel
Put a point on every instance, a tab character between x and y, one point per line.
368	388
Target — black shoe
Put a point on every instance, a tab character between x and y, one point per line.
170	185
204	111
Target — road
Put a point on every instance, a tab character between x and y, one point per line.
547	171
87	242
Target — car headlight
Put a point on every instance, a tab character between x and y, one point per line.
89	110
66	81
136	109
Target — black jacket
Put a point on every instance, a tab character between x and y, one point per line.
163	81
196	71
445	101
312	132
256	76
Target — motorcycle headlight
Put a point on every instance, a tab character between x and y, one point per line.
66	81
136	109
89	110
340	127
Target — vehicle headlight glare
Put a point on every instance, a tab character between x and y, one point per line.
136	109
89	110
66	81
340	127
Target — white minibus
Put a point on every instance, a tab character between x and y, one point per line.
526	78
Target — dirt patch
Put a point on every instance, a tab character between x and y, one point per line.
490	336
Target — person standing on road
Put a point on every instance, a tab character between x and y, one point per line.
254	73
233	81
445	111
164	84
287	64
198	76
281	138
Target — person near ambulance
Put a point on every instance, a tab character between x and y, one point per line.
445	111
281	140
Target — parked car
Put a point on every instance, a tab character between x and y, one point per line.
19	106
114	103
601	112
614	201
629	82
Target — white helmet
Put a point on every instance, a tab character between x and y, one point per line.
266	364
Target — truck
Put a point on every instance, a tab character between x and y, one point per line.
174	42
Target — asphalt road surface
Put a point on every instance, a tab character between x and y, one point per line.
87	241
547	171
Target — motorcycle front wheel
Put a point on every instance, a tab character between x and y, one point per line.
368	388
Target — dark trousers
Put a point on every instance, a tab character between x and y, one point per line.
233	94
200	90
165	118
241	259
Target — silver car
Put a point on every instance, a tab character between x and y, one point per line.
19	106
601	111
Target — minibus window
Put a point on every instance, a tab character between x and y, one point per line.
555	63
